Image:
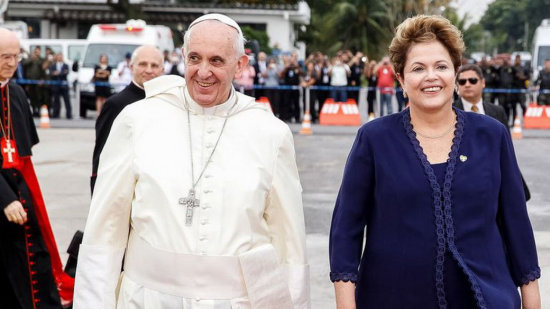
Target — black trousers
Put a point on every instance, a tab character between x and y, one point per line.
58	92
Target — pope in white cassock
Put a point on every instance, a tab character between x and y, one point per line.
198	192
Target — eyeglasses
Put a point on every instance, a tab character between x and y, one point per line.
472	81
8	57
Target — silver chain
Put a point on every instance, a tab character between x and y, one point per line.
194	183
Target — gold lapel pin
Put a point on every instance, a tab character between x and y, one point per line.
463	158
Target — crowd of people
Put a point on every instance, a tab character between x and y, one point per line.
284	78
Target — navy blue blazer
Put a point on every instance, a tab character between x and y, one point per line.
426	234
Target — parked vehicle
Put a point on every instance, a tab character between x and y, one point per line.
116	40
72	50
541	47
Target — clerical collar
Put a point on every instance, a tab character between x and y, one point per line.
218	110
137	85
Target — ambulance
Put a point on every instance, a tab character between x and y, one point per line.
116	40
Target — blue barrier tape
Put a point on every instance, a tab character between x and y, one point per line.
23	81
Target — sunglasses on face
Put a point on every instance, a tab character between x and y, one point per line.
463	81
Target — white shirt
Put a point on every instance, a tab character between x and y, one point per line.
250	193
468	106
339	75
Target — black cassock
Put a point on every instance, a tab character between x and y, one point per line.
26	276
113	106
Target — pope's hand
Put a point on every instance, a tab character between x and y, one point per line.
15	213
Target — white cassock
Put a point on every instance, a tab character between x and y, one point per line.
245	247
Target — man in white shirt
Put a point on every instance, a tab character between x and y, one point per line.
124	72
198	184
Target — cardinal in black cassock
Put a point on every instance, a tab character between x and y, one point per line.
31	274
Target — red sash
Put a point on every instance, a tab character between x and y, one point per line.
64	282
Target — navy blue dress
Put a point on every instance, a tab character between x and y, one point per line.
452	235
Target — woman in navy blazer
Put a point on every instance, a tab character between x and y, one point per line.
439	193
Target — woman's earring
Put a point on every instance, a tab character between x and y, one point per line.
404	94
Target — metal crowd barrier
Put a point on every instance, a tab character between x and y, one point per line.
303	92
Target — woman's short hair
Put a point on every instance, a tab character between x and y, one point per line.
424	29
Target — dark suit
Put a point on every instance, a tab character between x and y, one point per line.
492	110
497	112
113	106
60	88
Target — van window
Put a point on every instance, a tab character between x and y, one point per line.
75	52
43	47
544	53
115	53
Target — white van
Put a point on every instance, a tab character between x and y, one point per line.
541	46
72	49
116	40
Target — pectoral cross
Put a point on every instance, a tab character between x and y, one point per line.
190	202
9	150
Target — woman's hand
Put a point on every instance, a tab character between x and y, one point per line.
345	294
530	295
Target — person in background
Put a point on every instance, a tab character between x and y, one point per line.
260	68
290	102
490	74
34	71
356	66
543	84
102	72
176	66
439	193
145	64
372	79
385	80
521	77
307	81
245	82
271	79
124	73
339	73
322	79
59	71
506	80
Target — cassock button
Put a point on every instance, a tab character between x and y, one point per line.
210	131
207	191
207	176
209	145
204	222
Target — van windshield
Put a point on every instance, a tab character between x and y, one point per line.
544	53
115	53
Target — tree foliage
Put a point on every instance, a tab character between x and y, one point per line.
361	25
512	23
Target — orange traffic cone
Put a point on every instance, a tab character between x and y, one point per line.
516	130
306	125
44	117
